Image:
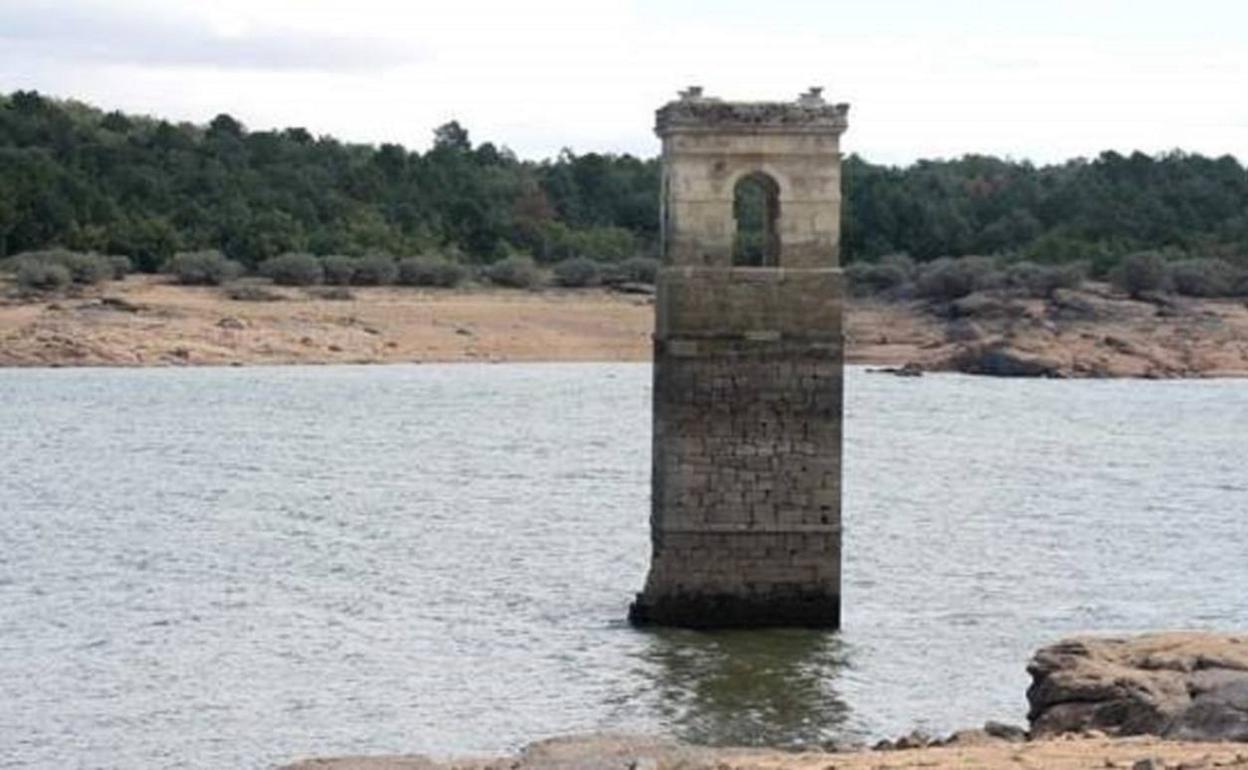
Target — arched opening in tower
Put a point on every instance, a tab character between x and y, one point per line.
756	208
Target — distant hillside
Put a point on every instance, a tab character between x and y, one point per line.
75	176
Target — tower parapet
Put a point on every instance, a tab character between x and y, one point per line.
696	112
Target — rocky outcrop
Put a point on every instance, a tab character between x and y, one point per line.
593	751
983	305
1001	359
1185	686
965	749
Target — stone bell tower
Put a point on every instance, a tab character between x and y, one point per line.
746	499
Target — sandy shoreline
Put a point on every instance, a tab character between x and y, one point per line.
970	750
146	321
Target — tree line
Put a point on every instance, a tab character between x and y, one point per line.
76	177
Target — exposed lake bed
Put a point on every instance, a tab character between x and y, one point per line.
147	321
234	567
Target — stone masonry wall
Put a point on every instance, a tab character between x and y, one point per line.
747	450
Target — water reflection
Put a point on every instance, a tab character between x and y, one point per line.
748	688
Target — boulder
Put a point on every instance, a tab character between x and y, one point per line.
985	305
991	732
1005	732
606	751
1068	305
1188	686
963	330
1000	359
595	751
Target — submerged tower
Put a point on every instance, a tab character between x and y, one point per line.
746	500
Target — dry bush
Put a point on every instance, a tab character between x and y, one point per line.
203	268
431	271
577	272
949	279
375	270
293	269
1204	278
515	272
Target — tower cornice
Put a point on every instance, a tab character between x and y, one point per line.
695	113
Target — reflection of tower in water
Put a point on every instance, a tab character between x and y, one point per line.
748	688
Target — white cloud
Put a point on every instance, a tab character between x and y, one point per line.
90	33
1028	79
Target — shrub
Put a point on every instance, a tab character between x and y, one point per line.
1141	272
338	270
867	279
203	268
293	269
516	272
631	270
374	270
1204	278
86	268
43	276
578	272
430	271
121	266
640	269
949	279
83	267
1034	280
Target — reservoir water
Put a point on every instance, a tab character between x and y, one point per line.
230	568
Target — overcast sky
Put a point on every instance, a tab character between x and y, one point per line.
1040	80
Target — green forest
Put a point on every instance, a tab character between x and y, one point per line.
76	177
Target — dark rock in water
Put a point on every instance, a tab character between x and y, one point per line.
908	369
1188	686
1001	360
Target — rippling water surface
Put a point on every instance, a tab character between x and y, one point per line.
234	567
